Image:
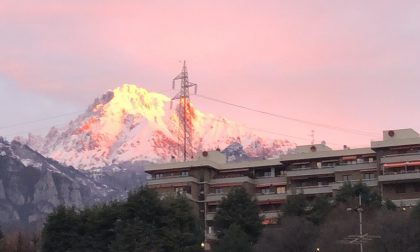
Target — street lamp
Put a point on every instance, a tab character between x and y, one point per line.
360	238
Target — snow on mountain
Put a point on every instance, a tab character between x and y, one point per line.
132	124
31	186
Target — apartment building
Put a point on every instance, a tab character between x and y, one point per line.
390	166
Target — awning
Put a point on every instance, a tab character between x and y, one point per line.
226	185
168	185
271	184
329	161
350	158
234	170
402	164
269	202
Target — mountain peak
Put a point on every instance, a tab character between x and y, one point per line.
131	123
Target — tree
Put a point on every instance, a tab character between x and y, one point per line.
138	228
60	232
415	214
295	234
314	211
180	230
234	240
238	208
349	192
319	209
295	205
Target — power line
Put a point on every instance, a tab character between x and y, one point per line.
274	133
349	130
39	120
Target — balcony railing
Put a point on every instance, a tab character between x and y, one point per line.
270	196
270	180
406	157
310	171
171	179
400	175
240	179
211	197
368	182
354	167
317	189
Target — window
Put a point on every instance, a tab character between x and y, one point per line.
159	175
184	173
360	160
400	188
371	160
281	189
267	174
319	164
179	190
369	176
266	191
346	177
219	191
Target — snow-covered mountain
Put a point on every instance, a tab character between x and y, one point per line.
131	124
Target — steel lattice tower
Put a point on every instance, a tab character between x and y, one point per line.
185	114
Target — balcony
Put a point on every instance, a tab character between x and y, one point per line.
406	202
401	158
172	180
355	167
233	180
396	176
310	171
212	197
282	180
309	190
274	214
269	197
210	216
370	183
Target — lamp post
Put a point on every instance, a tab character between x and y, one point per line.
361	238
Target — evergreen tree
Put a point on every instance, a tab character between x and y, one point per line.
138	228
350	192
238	208
180	230
60	232
295	205
234	240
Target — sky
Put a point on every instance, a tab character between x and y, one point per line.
346	64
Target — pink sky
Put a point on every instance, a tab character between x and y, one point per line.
353	64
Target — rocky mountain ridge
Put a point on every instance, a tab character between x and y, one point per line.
131	124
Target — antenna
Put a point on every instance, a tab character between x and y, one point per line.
185	111
312	135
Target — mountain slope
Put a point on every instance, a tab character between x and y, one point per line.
31	186
131	124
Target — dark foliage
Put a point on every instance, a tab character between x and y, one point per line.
238	208
294	234
234	240
142	223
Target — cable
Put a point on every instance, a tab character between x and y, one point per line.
39	120
353	131
273	133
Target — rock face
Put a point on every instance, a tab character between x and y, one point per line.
31	186
131	124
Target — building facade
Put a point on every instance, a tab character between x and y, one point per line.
390	166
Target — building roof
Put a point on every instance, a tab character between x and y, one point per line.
400	137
